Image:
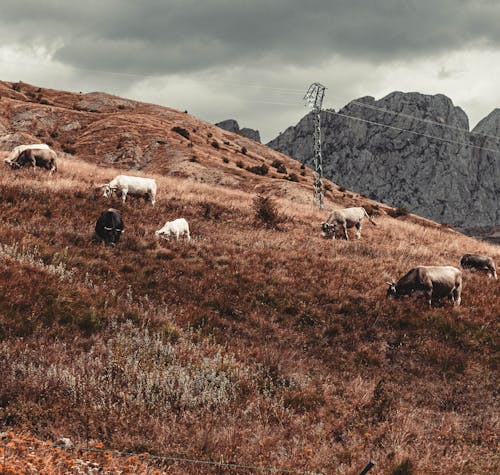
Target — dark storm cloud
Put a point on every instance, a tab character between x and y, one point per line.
174	36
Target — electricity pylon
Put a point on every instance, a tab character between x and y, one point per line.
314	98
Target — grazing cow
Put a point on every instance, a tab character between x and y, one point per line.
177	228
477	261
434	281
133	185
345	218
109	226
43	158
16	151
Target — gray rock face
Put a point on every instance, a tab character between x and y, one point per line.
232	125
454	180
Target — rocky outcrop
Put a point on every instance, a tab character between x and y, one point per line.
232	125
401	162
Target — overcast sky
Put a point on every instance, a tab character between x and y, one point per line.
252	60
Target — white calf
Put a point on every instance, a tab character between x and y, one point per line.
177	228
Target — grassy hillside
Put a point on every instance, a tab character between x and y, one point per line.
248	344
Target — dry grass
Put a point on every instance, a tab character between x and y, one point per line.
276	347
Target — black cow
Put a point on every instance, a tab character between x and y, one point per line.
109	226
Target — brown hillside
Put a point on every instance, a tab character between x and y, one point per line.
249	345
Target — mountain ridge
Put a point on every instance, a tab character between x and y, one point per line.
454	180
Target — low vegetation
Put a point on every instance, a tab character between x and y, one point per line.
245	344
181	131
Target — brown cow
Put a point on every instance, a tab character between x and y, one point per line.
479	262
36	158
433	281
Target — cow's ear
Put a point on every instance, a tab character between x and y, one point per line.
389	283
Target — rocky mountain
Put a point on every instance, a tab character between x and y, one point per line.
401	162
232	125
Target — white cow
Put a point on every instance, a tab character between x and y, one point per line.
345	218
16	151
177	228
134	185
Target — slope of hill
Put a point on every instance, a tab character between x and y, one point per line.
248	344
442	180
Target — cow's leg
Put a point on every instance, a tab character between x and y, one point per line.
358	230
152	198
457	295
188	236
124	195
428	295
345	232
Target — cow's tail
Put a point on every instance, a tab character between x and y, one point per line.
369	217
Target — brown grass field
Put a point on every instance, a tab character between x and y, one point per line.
248	345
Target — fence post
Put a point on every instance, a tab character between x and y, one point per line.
368	467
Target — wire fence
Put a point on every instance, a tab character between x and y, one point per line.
172	459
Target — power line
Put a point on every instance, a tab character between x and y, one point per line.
464	144
369	106
293	91
282	90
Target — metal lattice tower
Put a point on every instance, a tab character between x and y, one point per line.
314	98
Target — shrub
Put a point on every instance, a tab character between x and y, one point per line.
292	177
214	144
266	212
244	150
181	131
397	212
279	166
403	468
225	159
68	149
259	169
194	158
16	86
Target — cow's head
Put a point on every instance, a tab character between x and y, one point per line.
12	163
327	230
108	190
112	235
161	233
391	290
